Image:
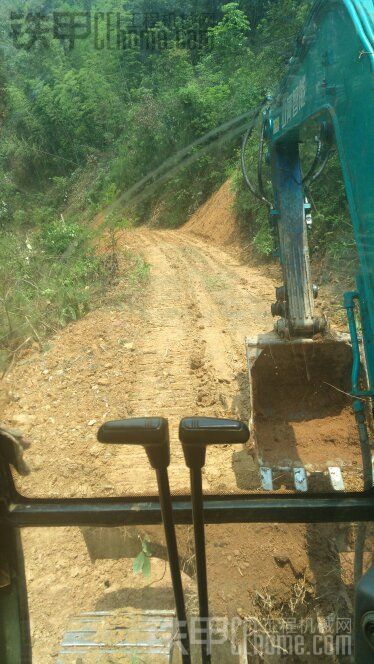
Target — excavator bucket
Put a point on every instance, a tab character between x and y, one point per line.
302	424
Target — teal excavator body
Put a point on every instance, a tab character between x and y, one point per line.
331	80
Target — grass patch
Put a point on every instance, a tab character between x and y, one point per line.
139	269
214	282
42	289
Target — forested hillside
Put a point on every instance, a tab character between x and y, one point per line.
86	112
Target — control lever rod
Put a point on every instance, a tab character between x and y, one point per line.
195	433
152	433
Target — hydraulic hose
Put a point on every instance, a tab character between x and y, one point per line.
258	194
259	164
323	153
323	161
314	164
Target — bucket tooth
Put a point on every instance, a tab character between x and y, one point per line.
300	479
336	478
266	478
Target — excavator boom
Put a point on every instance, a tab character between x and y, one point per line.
329	81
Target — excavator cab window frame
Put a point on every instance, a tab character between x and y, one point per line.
18	511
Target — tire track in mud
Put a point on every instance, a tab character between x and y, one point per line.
191	362
168	367
224	385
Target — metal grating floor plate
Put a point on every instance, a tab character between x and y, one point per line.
122	637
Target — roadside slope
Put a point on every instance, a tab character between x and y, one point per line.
215	220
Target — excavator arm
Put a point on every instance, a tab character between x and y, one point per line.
331	80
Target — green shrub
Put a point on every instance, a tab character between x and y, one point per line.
57	237
263	242
20	217
39	293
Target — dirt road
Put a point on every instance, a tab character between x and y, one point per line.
173	350
178	350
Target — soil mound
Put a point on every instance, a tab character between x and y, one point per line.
215	220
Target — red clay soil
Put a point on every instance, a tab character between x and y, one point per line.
215	220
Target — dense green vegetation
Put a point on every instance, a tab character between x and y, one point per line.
81	125
126	111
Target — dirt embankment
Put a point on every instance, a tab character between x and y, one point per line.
215	220
174	349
